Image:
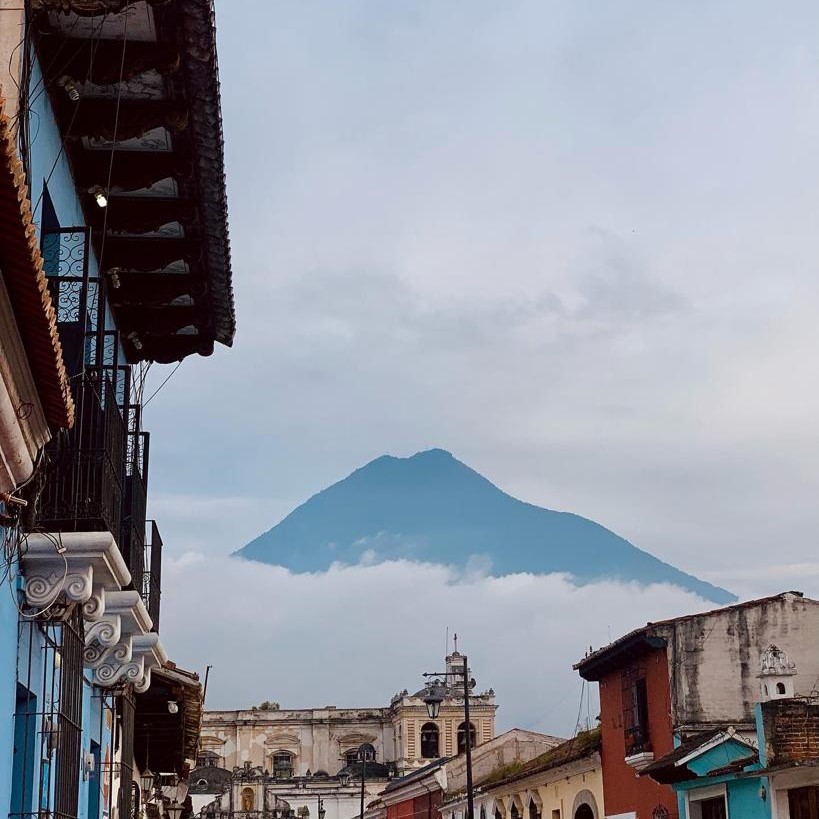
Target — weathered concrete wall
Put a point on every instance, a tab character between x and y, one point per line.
317	738
12	27
515	745
713	659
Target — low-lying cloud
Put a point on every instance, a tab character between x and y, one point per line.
354	636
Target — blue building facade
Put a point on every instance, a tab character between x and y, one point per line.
123	251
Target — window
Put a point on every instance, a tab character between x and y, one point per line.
462	736
534	813
429	741
514	813
584	812
351	757
713	808
282	765
708	803
635	711
803	803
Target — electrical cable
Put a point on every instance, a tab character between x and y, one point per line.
113	142
156	391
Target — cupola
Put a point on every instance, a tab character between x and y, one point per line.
776	674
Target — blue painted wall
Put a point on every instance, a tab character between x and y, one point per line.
743	795
744	800
8	686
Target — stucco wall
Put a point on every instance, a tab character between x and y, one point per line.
713	659
624	790
563	789
317	737
515	745
8	684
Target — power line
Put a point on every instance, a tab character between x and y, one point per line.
154	393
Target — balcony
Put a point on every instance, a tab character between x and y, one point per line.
83	488
132	537
152	574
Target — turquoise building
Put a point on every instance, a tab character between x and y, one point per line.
768	772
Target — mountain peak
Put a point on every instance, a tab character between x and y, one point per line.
432	507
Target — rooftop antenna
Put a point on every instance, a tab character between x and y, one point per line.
455	636
446	652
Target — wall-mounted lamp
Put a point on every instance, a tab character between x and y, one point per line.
100	197
763	794
70	88
173	705
134	339
113	277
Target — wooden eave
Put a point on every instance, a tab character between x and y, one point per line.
22	270
164	181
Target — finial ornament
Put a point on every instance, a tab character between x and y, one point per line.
774	660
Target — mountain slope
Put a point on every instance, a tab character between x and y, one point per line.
433	508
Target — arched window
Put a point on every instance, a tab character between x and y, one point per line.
462	736
283	765
584	812
248	799
429	741
514	813
534	813
483	812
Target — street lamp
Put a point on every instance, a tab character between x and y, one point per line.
433	697
146	781
174	809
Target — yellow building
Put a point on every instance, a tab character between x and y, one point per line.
565	782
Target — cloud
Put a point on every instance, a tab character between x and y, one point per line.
558	240
354	636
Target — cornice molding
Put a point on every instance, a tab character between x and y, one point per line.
89	566
119	644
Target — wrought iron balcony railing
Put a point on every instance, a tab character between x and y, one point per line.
152	575
83	488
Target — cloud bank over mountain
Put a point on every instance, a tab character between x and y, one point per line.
432	508
314	639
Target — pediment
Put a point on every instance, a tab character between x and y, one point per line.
355	738
211	741
275	740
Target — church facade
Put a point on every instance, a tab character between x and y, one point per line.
288	743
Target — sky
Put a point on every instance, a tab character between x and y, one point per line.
573	243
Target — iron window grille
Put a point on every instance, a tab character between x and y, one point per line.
48	718
635	710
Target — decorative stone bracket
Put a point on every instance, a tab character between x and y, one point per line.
119	644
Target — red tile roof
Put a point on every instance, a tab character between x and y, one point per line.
22	267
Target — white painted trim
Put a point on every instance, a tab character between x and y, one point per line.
714	742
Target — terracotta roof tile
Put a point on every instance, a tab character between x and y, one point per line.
22	267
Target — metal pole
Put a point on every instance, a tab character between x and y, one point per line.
470	808
363	768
